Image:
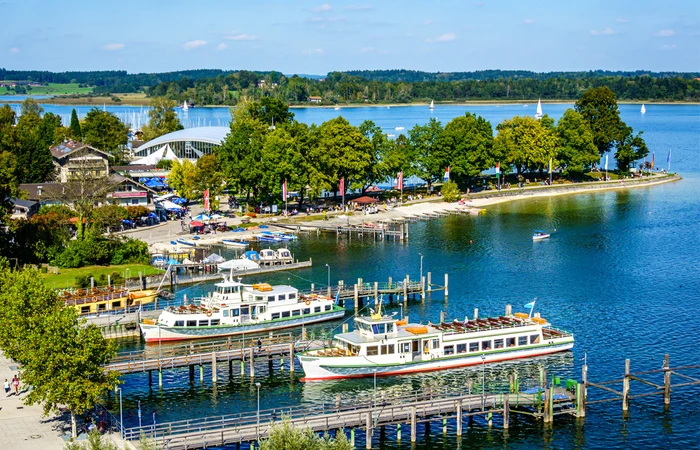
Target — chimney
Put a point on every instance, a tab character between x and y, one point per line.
38	190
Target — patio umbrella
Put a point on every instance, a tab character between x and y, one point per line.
217	216
196	223
202	217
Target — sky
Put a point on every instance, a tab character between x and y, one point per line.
312	37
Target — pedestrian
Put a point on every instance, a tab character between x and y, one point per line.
7	388
259	345
15	383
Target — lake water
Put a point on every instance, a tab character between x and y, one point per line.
620	272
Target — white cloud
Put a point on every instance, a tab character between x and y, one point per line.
194	44
665	33
113	47
366	49
314	51
358	8
241	37
322	8
606	31
447	37
529	21
222	46
428	22
14	50
622	20
668	47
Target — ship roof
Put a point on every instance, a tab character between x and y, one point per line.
355	337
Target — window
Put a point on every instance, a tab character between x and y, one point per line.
389	327
372	350
510	342
317	309
235	312
461	348
117	304
522	340
449	349
102	307
285	313
271	298
191	323
388	349
203	323
244	310
214	322
485	345
134	201
306	311
226	312
436	343
405	347
534	339
281	297
296	312
179	323
473	346
498	343
259	298
275	316
327	308
293	295
414	346
84	310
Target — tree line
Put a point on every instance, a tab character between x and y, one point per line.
256	157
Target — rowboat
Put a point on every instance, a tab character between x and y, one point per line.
538	235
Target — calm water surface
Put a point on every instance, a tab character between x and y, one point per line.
620	272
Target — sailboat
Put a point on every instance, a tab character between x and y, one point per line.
432	105
643	110
538	113
185	107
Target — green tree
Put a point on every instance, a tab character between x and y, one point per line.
207	176
108	217
450	192
182	178
270	111
577	152
466	146
631	148
30	106
8	182
285	436
75	131
164	164
424	141
526	143
162	118
598	106
95	441
103	130
33	137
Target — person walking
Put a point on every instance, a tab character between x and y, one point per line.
15	383
7	388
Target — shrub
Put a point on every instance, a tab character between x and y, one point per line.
130	251
450	192
83	281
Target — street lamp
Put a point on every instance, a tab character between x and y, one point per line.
483	382
121	414
329	275
257	385
421	267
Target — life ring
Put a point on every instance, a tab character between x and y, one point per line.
94	299
308	302
208	313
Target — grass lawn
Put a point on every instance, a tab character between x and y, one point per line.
66	277
59	89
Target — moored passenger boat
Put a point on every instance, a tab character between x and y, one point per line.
380	344
97	301
237	308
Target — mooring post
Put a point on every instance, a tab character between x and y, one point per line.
201	373
405	291
376	291
430	281
422	288
191	373
330	291
398	432
476	313
92	283
150	378
356	296
442	317
109	280
337	401
291	357
459	418
413	424
447	289
547	406
345	328
313	287
506	412
252	362
580	401
370	431
626	387
390	282
509	310
213	367
667	381
352	437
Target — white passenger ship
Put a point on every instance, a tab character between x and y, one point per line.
236	308
386	346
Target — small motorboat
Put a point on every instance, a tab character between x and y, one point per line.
538	235
232	243
186	242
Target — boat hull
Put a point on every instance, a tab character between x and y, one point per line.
539	238
329	368
155	333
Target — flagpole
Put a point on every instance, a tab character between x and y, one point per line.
400	180
669	160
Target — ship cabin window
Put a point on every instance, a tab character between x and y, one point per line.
405	347
498	343
203	323
260	309
235	312
296	312
191	323
414	346
214	322
473	346
372	350
259	298
378	328
534	339
522	340
271	298
85	310
388	349
117	304
461	348
292	296
436	343
485	345
101	307
328	307
354	349
227	312
275	316
179	323
510	342
449	349
317	309
306	311
245	310
285	313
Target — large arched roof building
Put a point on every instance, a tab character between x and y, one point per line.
190	143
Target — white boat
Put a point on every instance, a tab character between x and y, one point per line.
643	110
237	265
185	242
284	256
380	344
185	106
538	235
538	113
237	308
232	243
432	105
268	255
337	108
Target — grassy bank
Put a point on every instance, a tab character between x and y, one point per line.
66	277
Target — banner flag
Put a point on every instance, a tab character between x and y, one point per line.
447	174
606	162
399	181
284	190
498	168
341	187
206	200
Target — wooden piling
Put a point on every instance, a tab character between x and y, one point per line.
422	288
201	373
376	291
291	358
356	296
547	406
405	290
476	313
252	362
667	381
430	281
370	431
345	328
459	418
506	412
213	367
389	283
626	387
509	310
446	286
413	424
580	401
442	317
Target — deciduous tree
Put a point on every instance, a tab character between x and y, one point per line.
598	106
162	118
424	141
576	152
466	146
631	148
103	130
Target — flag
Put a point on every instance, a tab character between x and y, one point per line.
399	181
206	200
606	162
498	168
652	161
530	305
284	190
342	186
337	297
550	165
668	158
447	174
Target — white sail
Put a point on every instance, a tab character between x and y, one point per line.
432	104
184	106
643	110
538	113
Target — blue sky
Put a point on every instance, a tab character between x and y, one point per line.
317	37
